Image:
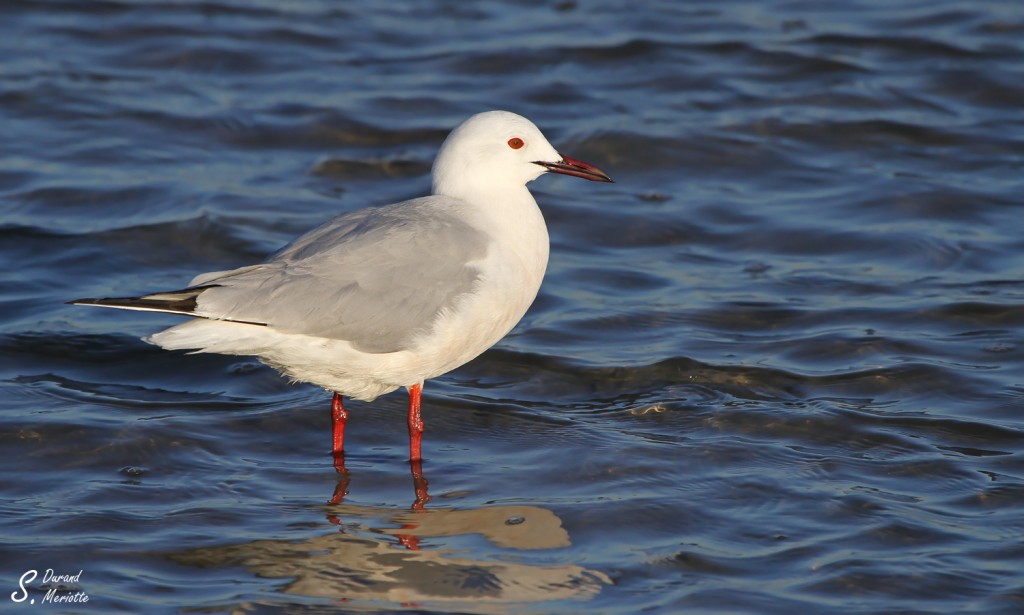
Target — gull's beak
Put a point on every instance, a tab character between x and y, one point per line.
576	168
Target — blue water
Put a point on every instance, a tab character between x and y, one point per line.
777	367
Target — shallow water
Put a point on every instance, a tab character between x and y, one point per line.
776	367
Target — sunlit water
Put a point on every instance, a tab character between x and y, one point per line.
776	367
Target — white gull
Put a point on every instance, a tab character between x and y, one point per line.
391	296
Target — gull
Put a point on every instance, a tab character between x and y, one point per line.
389	296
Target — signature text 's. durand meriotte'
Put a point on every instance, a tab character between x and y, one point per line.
53	595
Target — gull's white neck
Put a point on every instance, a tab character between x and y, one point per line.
512	218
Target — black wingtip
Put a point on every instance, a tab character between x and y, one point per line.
107	301
182	302
177	302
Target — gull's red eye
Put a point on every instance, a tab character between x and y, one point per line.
515	143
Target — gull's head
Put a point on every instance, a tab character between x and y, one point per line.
498	150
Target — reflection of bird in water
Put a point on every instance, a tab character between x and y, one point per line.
356	565
543	532
509	527
419	484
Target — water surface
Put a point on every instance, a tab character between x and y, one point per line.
778	366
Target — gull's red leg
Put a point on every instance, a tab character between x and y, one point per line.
338	418
415	423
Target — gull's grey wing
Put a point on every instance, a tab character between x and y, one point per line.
375	277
